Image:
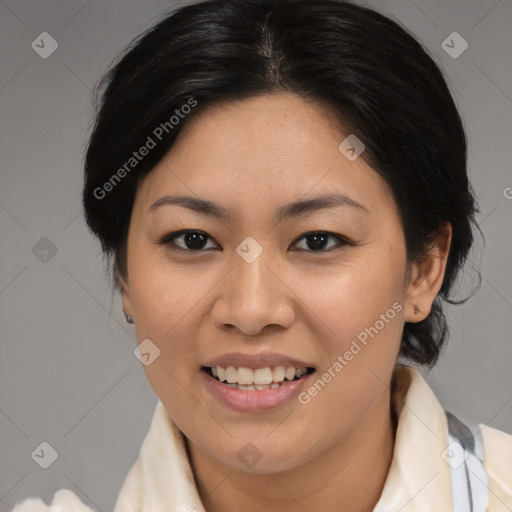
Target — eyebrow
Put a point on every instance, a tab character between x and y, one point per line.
294	209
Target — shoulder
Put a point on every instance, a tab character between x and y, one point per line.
63	501
498	464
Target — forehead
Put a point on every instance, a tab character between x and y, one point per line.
260	152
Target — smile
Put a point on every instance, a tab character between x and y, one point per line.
255	390
258	379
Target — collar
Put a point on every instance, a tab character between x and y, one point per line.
418	478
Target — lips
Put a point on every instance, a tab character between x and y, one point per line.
255	382
253	398
255	361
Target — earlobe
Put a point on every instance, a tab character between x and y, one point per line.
427	277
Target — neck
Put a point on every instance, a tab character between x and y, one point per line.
348	477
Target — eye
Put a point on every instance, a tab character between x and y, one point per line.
194	241
317	240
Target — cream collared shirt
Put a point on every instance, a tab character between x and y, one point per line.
418	480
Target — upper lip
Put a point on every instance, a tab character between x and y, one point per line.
262	360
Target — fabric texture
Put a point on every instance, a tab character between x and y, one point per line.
162	480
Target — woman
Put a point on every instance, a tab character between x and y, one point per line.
281	186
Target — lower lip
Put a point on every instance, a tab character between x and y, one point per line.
254	400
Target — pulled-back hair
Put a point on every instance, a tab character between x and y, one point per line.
377	79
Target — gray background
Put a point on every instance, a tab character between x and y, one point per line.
68	375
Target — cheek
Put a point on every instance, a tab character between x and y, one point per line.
163	297
334	301
364	316
348	300
162	292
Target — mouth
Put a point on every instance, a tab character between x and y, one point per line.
256	379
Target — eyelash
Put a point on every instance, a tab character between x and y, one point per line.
169	239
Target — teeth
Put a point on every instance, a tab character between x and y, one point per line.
290	373
260	378
300	372
231	374
246	376
278	373
253	387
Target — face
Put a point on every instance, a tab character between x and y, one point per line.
324	289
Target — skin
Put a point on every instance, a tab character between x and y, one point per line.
251	157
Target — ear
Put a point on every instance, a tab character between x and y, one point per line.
125	296
426	278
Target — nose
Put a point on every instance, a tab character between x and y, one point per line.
254	297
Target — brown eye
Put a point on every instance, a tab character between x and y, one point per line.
193	241
317	241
